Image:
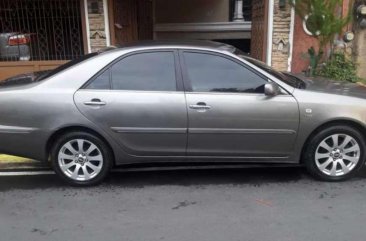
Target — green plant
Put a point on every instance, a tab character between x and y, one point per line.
323	22
339	67
314	60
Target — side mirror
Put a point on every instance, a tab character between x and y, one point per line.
272	89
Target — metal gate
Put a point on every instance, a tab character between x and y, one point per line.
40	30
259	29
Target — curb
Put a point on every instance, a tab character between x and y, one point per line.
24	166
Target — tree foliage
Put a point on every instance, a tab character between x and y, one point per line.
323	21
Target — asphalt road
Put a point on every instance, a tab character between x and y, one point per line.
194	205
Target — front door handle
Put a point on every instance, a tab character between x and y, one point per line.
95	102
200	106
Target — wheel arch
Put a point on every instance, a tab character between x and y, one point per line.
348	122
51	140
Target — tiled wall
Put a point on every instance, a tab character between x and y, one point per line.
97	25
281	34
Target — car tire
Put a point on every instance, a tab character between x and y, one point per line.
327	160
81	158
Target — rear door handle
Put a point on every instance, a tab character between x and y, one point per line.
95	102
200	106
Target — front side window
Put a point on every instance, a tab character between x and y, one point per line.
145	72
212	73
288	78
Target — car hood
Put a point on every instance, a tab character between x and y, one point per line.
24	79
324	85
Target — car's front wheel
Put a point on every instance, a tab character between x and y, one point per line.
81	159
335	153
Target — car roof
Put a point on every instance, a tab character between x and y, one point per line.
190	44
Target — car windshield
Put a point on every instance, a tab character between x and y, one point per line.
283	76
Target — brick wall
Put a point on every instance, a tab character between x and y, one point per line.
302	42
281	34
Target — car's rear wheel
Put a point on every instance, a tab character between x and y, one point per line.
335	153
81	159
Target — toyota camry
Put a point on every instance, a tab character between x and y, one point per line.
183	103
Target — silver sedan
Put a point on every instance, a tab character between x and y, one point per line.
166	103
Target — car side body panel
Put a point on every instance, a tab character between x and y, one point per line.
252	126
317	109
143	123
31	114
29	118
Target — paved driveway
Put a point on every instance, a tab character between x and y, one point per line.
205	205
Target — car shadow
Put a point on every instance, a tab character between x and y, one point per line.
201	177
141	179
254	176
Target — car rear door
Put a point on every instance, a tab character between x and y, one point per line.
139	100
229	114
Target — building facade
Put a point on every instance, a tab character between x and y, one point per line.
62	30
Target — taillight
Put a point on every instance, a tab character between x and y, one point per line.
19	39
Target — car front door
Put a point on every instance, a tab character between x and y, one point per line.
229	114
139	101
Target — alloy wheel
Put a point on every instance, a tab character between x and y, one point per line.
337	155
80	159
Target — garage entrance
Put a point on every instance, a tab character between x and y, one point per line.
241	23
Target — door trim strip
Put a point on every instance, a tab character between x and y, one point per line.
200	130
149	130
16	130
240	131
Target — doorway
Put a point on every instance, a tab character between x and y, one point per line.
133	20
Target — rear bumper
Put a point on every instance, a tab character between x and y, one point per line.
21	52
28	143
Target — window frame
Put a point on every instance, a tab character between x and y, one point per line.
188	83
177	69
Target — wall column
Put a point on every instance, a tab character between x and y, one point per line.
238	12
97	24
359	44
282	32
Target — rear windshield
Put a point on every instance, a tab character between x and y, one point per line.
34	77
70	64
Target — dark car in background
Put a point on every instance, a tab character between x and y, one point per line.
15	46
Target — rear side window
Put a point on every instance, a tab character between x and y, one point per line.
212	73
153	71
101	82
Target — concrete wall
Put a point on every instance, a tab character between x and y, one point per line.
359	49
191	11
360	52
